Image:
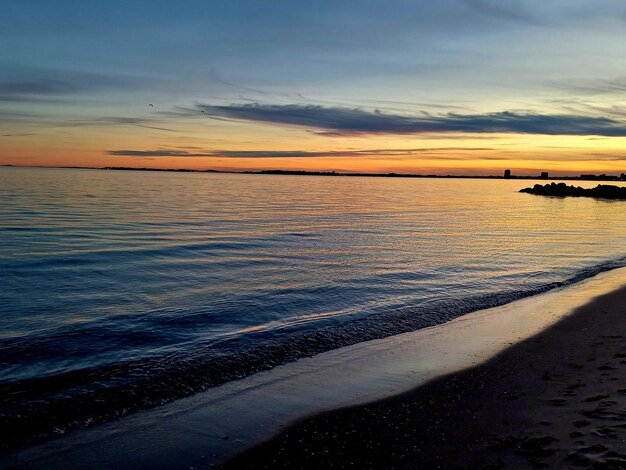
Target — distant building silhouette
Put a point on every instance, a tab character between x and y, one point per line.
507	173
544	175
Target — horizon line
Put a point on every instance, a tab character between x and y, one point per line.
581	176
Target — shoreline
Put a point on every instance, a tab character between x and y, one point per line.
210	427
554	400
582	177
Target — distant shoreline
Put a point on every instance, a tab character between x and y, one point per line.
584	177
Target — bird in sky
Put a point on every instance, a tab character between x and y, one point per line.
151	105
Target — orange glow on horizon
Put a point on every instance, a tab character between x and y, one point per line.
471	154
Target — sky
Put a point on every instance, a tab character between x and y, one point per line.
430	86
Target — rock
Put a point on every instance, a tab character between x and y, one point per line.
604	191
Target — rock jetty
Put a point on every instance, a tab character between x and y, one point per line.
604	191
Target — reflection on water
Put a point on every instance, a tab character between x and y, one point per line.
145	273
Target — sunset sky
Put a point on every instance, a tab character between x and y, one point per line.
432	86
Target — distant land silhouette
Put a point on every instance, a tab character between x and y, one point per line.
507	175
604	191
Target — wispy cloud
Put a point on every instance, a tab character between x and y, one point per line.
429	153
14	116
393	152
341	121
158	153
588	87
40	122
510	11
49	86
146	123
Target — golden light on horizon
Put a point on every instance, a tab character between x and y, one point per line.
425	153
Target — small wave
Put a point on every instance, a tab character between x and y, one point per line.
41	407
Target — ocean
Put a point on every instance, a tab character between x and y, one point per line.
124	290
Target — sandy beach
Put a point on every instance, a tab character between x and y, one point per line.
556	400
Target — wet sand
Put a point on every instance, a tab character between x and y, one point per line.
556	400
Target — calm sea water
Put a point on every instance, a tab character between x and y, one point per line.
122	290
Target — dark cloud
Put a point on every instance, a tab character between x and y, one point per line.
341	121
42	121
49	86
290	154
432	153
157	153
221	153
